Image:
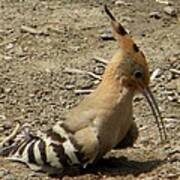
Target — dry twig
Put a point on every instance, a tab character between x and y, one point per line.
99	59
175	71
78	71
83	91
11	136
32	30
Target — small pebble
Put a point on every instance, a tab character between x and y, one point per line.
170	10
169	75
32	95
69	86
164	2
172	98
99	70
107	36
9	46
155	15
7	124
75	48
156	73
96	82
2	117
7	58
169	92
8	90
1	129
120	2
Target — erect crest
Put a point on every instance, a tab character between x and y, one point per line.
120	34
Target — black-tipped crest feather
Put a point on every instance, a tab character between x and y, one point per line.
109	13
117	27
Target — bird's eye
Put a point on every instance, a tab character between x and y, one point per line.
138	74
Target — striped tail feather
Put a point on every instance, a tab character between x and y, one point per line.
52	149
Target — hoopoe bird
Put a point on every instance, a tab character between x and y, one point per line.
101	122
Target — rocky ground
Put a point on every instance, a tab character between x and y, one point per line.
39	39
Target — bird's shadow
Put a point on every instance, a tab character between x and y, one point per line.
115	166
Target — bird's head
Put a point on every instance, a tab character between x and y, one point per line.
131	64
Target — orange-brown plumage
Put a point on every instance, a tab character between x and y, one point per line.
134	68
104	119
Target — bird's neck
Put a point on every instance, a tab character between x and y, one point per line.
112	94
112	90
113	99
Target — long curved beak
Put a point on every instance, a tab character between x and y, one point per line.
156	112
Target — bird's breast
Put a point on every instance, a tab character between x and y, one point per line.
112	124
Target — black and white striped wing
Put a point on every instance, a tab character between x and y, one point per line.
51	149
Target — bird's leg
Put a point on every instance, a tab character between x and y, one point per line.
130	138
97	78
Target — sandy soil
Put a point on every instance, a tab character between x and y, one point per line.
35	89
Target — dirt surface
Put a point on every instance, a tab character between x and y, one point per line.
40	38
